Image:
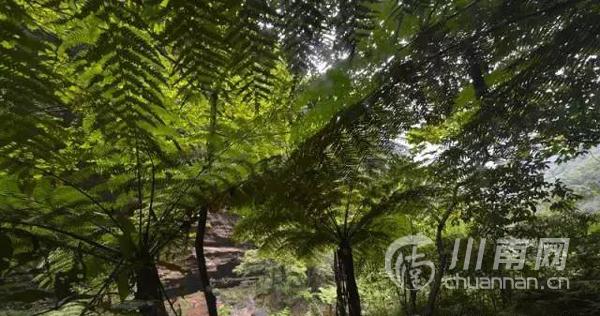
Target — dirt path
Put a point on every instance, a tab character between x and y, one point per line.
222	256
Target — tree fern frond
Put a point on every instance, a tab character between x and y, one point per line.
31	108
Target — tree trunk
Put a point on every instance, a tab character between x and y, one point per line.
348	299
412	301
437	280
443	257
409	294
211	300
148	290
476	70
209	296
312	279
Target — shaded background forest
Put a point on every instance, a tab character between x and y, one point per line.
257	157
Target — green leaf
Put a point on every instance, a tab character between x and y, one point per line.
6	251
127	246
42	190
123	285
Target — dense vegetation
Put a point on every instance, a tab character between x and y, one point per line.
330	128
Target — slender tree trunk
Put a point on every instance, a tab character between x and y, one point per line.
476	70
211	300
209	296
442	255
348	299
148	289
413	302
312	280
505	294
409	294
340	308
442	263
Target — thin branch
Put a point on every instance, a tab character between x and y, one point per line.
159	245
331	216
64	232
61	244
164	293
82	191
347	210
139	190
151	214
111	277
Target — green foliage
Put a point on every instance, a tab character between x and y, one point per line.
32	109
282	283
340	199
322	123
282	280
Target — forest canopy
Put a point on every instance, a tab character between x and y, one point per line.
324	131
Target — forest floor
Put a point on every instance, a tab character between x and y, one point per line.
223	254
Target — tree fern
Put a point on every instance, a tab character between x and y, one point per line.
31	105
123	74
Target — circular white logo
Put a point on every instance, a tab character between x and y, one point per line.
406	269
